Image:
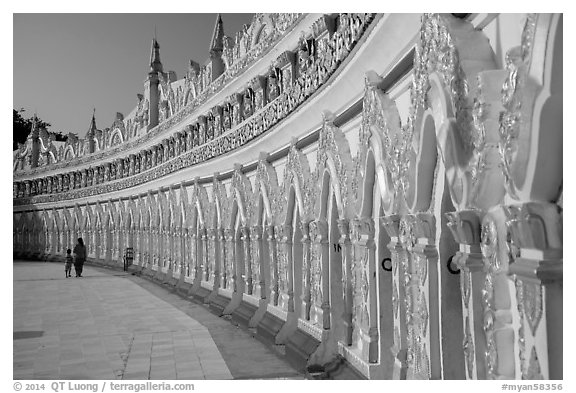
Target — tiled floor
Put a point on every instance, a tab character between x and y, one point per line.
112	325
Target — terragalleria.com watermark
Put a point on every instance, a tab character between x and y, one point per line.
67	386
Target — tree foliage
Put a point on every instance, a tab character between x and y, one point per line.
23	126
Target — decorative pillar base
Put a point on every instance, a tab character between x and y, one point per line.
201	293
268	328
301	344
287	329
220	301
257	317
235	301
400	365
327	351
244	312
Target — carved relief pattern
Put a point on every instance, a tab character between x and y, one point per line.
415	267
513	96
190	267
273	265
491	265
365	290
395	299
529	300
283	246
437	51
316	294
229	258
362	233
297	166
510	119
468	346
533	372
306	268
255	240
521	333
466	285
332	141
479	114
247	263
212	273
532	304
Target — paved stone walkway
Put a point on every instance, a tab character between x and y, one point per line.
112	325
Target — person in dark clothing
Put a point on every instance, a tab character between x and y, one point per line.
69	261
79	257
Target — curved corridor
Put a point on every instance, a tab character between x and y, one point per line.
112	325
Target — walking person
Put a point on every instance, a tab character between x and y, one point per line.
69	260
79	256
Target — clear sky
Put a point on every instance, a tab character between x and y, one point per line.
67	64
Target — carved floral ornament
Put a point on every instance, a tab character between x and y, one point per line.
242	191
527	90
333	146
297	174
489	236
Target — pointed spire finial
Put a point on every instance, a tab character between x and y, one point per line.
217	43
34	131
92	129
155	63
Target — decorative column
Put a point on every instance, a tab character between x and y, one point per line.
235	279
122	236
237	268
137	250
186	249
347	288
284	252
411	265
306	256
363	287
114	243
465	227
54	240
97	240
202	263
258	278
536	229
192	259
154	235
174	242
399	258
175	261
248	275
426	302
145	245
224	238
212	269
320	306
497	299
162	246
273	266
50	247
